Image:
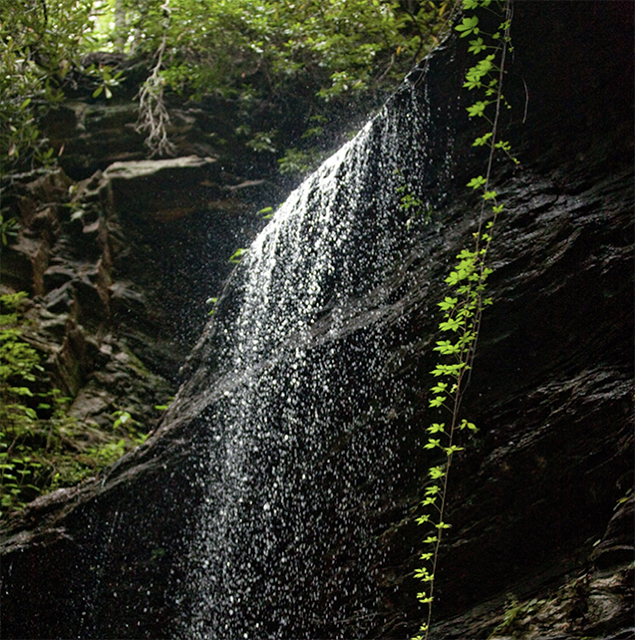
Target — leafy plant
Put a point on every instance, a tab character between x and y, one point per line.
8	228
298	162
279	63
463	306
19	368
412	204
43	447
40	43
514	617
287	69
106	79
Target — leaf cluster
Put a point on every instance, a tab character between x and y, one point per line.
40	43
42	447
463	306
288	68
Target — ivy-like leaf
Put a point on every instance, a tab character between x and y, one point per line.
479	142
467	425
477	182
436	427
439	388
436	472
422	574
448	303
468	26
447	348
476	46
452	449
450	325
478	108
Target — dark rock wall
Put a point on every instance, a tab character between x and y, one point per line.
539	501
119	283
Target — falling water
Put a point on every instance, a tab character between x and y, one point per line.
298	450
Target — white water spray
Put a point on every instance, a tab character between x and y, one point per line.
288	440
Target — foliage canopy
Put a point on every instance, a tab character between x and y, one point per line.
286	66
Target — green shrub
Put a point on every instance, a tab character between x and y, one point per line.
42	447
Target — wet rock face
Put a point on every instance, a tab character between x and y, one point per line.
91	133
119	292
541	536
120	266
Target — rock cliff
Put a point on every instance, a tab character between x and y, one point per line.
541	504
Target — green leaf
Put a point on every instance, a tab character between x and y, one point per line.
439	387
437	472
477	182
479	142
449	369
468	26
448	303
436	427
450	325
447	348
237	255
478	108
467	425
452	449
476	46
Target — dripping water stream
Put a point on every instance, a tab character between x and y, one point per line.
297	447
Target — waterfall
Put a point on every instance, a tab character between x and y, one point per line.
297	452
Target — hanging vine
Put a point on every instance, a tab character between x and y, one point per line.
464	304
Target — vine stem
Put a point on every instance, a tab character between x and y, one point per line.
488	175
468	356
